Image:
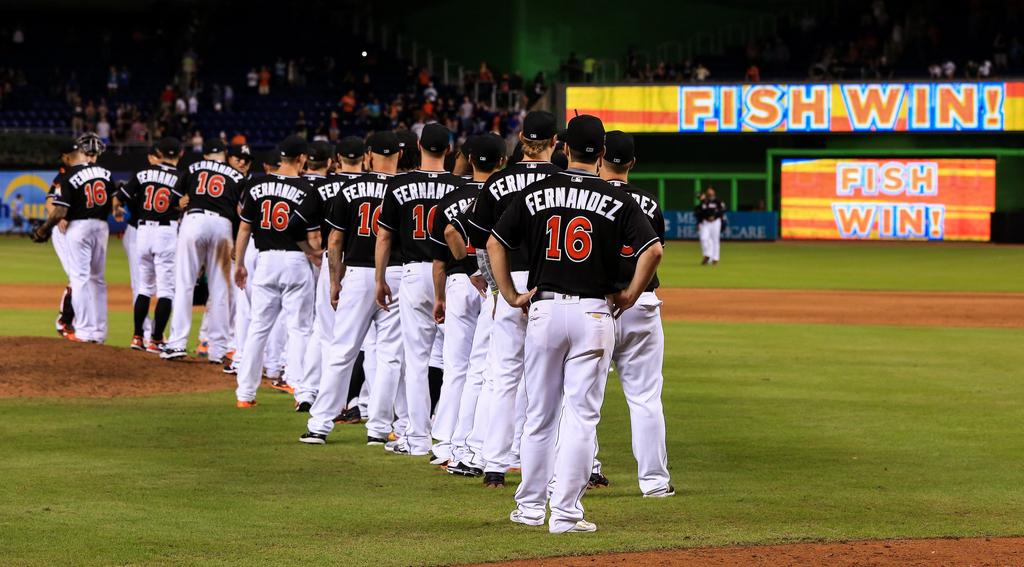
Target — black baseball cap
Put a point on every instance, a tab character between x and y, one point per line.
351	147
320	151
214	146
467	146
407	139
383	143
539	125
434	138
68	147
169	147
154	150
560	159
618	147
487	150
240	151
273	158
585	135
294	146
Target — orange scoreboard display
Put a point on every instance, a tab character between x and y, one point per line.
888	199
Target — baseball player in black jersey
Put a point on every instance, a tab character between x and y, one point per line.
351	153
406	216
204	239
83	200
710	223
501	407
573	226
129	239
639	337
318	166
281	212
66	316
350	253
149	192
458	303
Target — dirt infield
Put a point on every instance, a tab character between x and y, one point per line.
976	552
42	367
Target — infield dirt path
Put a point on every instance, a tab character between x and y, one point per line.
731	305
976	552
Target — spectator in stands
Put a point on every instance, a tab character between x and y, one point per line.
701	73
264	82
753	74
167	97
280	71
238	139
229	97
589	65
103	128
193	103
348	103
112	81
196	141
252	79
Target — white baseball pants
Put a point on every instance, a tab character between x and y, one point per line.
418	332
155	246
86	249
639	353
710	238
60	247
129	240
569	348
323	329
282	283
203	239
462	309
466	446
501	380
356	311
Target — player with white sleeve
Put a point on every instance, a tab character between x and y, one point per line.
280	211
204	238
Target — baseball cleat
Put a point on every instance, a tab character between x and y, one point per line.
350	415
215	360
172	353
597	480
439	461
582	526
155	347
518	517
203	349
663	492
462	469
494	480
371	440
241	404
73	338
282	386
137	343
391	445
705	261
311	438
302	407
229	368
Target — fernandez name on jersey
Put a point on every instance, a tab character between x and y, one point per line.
280	211
409	208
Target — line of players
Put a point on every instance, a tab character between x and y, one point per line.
353	260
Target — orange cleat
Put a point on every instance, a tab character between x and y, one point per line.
203	350
137	343
155	347
282	386
70	335
245	405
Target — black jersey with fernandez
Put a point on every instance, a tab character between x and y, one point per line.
85	189
649	207
355	211
280	209
211	186
575	229
450	208
327	188
409	208
149	194
497	193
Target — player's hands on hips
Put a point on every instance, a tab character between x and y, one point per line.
62	226
241	274
439	307
480	284
384	298
335	294
621	301
522	300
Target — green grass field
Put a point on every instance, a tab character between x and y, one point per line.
776	433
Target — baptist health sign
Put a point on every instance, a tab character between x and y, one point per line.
742	225
32	186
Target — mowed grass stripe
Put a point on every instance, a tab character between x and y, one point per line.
776	433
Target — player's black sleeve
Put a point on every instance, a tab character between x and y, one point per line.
249	211
390	212
309	212
62	195
181	187
129	191
659	224
635	229
511	225
479	220
338	218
